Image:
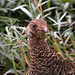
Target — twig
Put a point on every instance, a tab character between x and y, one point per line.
56	44
24	54
21	59
40	11
23	64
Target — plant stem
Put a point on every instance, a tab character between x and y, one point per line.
14	63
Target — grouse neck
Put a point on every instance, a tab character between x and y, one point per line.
35	43
40	54
39	48
35	40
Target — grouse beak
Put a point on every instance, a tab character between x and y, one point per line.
46	29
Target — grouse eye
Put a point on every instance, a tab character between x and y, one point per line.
34	25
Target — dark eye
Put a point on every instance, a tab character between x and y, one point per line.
34	25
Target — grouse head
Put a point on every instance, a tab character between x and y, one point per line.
36	28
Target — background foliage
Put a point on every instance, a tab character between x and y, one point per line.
15	16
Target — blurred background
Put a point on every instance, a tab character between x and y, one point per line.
15	16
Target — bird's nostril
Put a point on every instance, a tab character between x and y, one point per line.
46	29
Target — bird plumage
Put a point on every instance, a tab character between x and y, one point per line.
44	59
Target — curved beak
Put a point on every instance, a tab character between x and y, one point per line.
46	29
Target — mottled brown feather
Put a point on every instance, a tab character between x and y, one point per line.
44	59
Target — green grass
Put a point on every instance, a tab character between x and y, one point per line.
13	20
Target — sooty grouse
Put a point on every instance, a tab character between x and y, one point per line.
44	60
